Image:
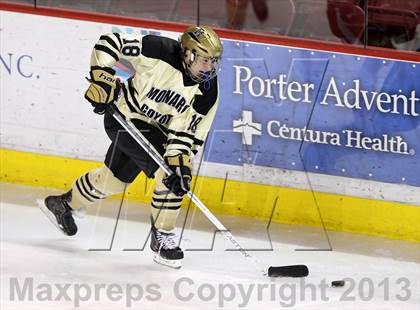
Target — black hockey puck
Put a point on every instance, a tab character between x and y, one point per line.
295	271
337	283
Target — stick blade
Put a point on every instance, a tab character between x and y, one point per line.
294	271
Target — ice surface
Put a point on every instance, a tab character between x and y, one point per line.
86	272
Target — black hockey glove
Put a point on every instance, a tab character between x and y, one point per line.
178	182
103	88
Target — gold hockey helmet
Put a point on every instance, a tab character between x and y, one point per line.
205	46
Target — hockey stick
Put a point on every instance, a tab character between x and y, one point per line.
279	271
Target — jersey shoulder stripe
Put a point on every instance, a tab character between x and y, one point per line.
117	35
109	41
107	50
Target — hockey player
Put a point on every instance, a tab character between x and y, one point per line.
172	98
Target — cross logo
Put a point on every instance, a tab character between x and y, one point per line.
246	127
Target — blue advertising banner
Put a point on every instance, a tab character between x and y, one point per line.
314	111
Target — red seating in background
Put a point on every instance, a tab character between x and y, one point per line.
281	14
397	22
156	10
272	16
346	19
403	14
329	20
391	23
394	18
410	5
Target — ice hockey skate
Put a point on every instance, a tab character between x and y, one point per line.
59	212
167	251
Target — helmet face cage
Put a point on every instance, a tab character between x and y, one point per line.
203	76
205	47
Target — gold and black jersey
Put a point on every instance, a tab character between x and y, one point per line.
160	92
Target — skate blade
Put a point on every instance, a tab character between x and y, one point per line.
171	263
49	214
